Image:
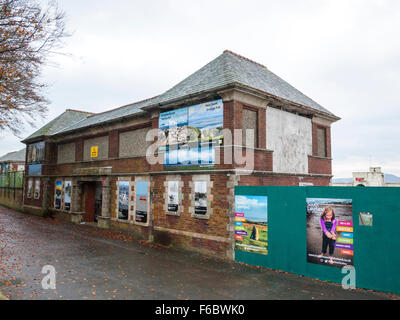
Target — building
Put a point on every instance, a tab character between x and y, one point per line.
13	161
233	122
373	178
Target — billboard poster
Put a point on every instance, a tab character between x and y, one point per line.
36	152
330	232
188	135
30	188
58	195
173	196
251	224
142	194
123	200
200	197
67	195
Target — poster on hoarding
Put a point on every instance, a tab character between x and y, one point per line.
67	195
173	196
58	194
330	232
123	200
251	224
36	152
188	135
142	195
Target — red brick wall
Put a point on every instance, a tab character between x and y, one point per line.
281	180
318	165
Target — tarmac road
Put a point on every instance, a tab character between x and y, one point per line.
98	264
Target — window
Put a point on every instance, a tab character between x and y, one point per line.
250	121
321	140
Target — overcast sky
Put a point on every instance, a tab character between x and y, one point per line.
345	55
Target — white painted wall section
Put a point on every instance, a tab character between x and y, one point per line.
290	137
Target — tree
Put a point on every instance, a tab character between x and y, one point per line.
29	34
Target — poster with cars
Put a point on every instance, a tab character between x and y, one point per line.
173	196
200	197
142	195
251	224
67	195
188	135
330	232
123	200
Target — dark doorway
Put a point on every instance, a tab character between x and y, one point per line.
92	201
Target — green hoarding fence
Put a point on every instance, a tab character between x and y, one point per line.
376	245
12	180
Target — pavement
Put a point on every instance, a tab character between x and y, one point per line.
92	263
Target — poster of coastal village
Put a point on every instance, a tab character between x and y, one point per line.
251	224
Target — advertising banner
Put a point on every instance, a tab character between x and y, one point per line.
330	232
67	195
173	196
58	195
142	195
123	200
188	135
251	224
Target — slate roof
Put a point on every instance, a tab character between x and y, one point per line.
227	69
118	113
14	156
231	68
66	119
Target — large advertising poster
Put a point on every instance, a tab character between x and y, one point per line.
187	135
251	224
67	195
173	196
330	232
142	194
123	200
58	195
36	152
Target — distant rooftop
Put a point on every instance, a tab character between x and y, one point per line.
14	156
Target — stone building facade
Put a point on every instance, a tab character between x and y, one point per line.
93	167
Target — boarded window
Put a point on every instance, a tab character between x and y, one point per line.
321	138
102	148
66	153
250	121
133	143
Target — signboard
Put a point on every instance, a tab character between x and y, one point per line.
251	224
94	151
142	195
35	169
188	135
330	232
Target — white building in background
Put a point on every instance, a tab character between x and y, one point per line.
374	178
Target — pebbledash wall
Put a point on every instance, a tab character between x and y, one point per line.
291	147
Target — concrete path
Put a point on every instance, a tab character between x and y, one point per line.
97	264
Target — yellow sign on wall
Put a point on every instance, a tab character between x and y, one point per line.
94	151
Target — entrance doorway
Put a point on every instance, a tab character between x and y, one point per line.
92	201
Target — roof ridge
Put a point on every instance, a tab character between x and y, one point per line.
74	110
126	105
244	58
